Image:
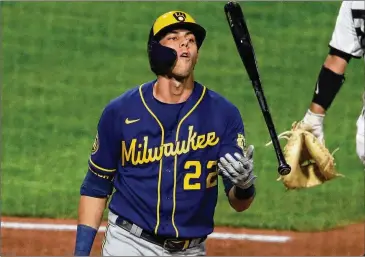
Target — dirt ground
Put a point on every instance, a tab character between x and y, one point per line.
347	241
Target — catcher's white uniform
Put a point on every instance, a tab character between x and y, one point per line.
349	37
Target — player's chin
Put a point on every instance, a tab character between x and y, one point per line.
182	73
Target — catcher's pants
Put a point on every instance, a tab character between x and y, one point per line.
119	242
360	136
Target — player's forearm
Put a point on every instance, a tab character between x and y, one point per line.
91	211
241	200
329	82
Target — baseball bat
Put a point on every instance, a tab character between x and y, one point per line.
246	51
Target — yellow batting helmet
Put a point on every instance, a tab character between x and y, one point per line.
162	59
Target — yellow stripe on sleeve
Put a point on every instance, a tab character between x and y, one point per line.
100	168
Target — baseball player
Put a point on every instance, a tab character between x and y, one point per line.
347	42
159	149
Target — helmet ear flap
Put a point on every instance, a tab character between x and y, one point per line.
162	59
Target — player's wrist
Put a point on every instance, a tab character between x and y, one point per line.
316	108
244	193
314	119
85	236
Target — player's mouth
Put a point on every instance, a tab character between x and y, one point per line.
185	55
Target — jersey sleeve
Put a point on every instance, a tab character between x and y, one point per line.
344	36
233	140
105	150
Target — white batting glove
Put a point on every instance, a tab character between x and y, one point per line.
238	170
316	122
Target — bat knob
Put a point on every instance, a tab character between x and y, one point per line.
284	169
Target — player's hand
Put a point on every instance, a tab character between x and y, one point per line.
238	169
315	121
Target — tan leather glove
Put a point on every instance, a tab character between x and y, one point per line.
311	162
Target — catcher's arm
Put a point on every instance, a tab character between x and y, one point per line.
329	82
344	45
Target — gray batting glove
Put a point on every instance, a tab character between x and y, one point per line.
238	170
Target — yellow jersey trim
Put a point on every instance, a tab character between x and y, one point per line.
100	168
160	169
175	161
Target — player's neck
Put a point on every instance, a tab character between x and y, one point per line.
172	91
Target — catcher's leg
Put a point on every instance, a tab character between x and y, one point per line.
360	136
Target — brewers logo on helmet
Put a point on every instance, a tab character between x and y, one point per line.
162	59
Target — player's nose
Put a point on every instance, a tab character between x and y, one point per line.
184	43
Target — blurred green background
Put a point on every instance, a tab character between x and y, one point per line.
63	62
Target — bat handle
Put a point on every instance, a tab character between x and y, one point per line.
284	168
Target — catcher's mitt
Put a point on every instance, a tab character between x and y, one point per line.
311	162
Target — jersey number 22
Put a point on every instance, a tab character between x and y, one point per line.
211	179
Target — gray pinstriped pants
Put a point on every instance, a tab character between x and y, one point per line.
119	242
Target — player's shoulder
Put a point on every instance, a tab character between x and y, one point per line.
127	98
220	101
222	106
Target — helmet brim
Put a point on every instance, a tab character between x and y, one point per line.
198	31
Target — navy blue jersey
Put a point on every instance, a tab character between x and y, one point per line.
163	158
